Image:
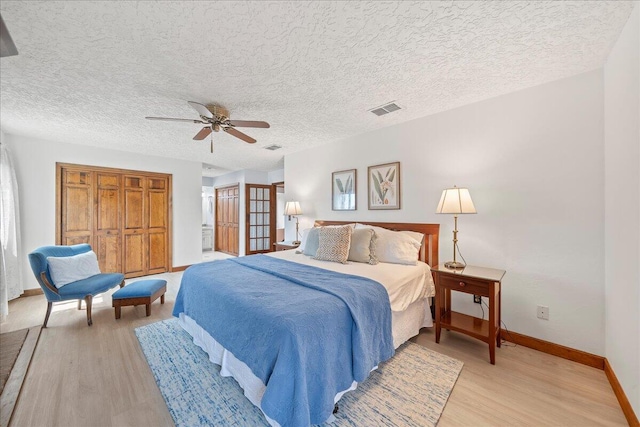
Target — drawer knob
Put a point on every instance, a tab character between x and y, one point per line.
462	284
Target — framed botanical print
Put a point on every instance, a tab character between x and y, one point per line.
343	190
384	186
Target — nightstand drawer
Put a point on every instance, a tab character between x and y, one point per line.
465	284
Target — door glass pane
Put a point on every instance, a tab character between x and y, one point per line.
266	207
259	220
252	244
265	233
259	196
252	232
252	193
260	245
266	219
265	243
252	206
259	231
252	219
259	206
266	194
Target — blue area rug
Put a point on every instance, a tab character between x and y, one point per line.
411	389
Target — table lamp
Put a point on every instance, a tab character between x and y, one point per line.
455	201
293	209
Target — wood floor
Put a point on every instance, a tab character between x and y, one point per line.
98	376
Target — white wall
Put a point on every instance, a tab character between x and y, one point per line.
622	208
35	164
533	163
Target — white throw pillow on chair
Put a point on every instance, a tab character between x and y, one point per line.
65	270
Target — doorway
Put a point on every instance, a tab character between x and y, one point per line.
278	188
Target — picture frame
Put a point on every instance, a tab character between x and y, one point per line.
343	190
383	186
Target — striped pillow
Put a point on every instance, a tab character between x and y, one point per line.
334	244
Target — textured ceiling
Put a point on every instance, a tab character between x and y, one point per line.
89	72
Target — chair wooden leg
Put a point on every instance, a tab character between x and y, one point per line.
89	299
79	304
46	317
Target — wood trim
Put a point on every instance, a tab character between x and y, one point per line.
31	292
13	386
428	252
180	268
568	353
627	409
43	277
169	248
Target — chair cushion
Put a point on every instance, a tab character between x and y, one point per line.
90	286
69	269
141	288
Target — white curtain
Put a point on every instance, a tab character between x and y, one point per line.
10	268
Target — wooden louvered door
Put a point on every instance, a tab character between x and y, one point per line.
134	226
157	222
124	215
260	205
227	219
108	197
76	199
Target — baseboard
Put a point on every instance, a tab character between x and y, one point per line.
180	268
632	419
31	292
554	349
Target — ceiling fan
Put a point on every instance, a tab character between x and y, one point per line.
215	118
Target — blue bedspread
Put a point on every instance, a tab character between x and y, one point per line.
306	332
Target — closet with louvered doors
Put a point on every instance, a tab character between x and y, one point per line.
124	215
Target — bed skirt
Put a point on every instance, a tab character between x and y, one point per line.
405	324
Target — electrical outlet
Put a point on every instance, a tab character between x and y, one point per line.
477	299
543	312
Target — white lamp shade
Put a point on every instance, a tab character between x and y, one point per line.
292	208
456	201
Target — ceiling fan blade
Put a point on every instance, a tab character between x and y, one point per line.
203	133
7	46
238	134
248	124
169	119
201	109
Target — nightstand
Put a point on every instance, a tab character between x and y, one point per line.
283	246
472	280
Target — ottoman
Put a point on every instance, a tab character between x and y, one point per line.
138	293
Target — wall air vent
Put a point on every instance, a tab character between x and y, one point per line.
385	109
273	147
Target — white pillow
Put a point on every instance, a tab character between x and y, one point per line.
395	247
303	238
65	270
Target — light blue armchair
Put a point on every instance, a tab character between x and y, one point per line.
82	289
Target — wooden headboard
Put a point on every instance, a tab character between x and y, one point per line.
429	250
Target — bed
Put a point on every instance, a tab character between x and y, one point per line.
297	333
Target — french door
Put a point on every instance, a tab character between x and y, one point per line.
260	218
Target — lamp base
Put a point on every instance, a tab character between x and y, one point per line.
455	265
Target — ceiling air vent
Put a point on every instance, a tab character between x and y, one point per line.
385	109
273	147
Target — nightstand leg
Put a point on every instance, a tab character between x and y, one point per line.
498	311
438	299
492	323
